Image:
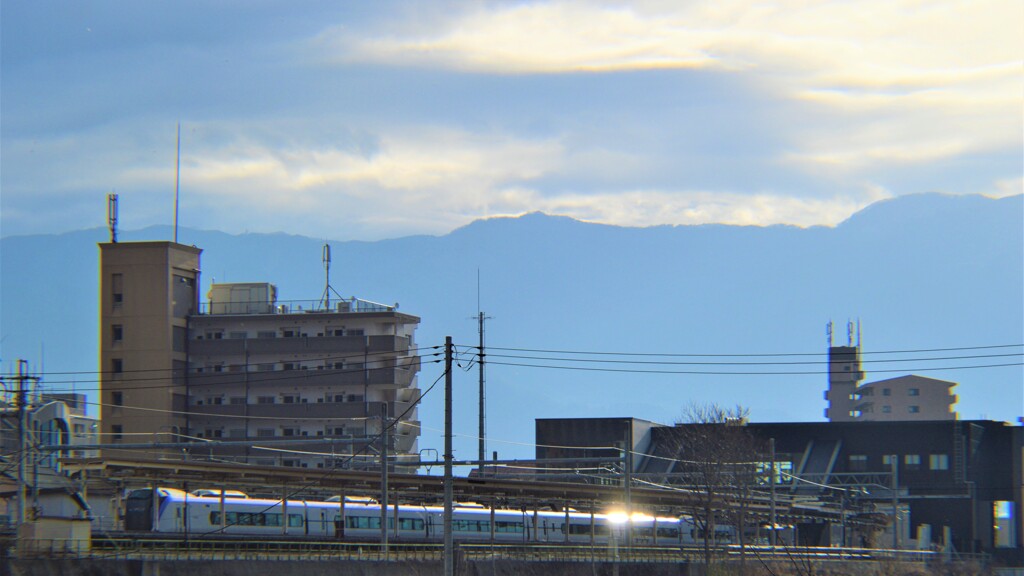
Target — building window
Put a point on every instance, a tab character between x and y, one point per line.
265	432
289	399
117	429
914	392
914	409
858	462
886	392
938	462
264	367
886	409
238	335
912	461
117	333
265	400
214	335
117	289
887	459
237	400
117	398
289	431
266	334
116	365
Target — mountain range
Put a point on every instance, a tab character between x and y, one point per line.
921	274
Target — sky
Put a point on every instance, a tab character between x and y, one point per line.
372	120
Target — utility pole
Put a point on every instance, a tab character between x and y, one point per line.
483	431
449	542
771	449
21	404
384	480
627	480
893	460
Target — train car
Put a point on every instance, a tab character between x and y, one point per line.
172	511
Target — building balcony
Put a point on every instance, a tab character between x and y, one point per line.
221	413
325	346
232	382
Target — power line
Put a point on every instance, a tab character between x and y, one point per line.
801	363
739	355
720	373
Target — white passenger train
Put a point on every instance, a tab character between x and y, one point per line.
177	512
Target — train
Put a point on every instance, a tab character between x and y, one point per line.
176	512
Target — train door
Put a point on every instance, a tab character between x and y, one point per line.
139	511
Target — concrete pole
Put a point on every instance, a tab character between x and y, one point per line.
771	449
22	444
480	362
384	480
893	463
449	542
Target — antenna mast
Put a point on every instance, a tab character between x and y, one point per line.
112	216
326	299
177	173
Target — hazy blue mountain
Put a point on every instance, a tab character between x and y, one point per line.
920	272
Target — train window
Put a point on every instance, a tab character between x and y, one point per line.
366	522
668	532
471	526
505	527
410	524
295	520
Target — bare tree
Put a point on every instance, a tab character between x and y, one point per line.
718	458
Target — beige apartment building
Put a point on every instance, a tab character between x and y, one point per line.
302	384
903	398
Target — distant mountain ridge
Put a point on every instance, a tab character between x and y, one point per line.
921	272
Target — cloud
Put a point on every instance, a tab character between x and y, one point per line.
932	62
684	207
531	38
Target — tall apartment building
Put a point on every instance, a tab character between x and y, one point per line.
259	370
148	291
245	367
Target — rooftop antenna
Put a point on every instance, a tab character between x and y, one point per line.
326	300
177	174
858	332
828	333
849	333
112	217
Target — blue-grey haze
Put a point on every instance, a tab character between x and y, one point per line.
919	272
